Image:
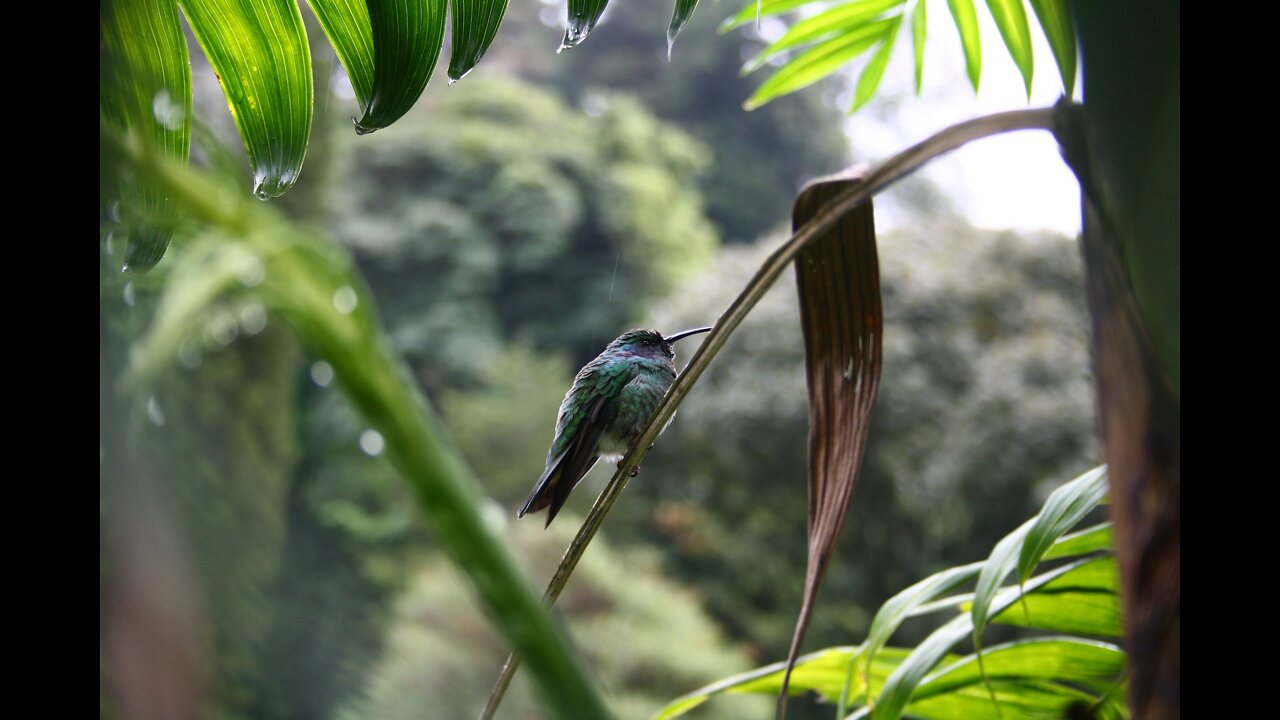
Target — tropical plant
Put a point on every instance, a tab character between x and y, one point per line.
463	226
251	262
1065	590
260	53
641	634
1123	145
982	405
831	36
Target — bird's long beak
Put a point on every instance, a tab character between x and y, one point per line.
684	334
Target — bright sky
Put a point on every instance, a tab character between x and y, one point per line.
1012	181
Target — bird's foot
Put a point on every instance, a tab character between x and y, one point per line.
634	471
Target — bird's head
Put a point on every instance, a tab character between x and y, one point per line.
650	343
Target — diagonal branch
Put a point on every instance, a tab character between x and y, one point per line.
879	178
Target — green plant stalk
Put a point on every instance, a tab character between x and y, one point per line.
842	706
881	177
374	380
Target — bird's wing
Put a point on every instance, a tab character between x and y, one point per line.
574	461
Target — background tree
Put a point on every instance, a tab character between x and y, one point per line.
979	394
642	635
758	159
513	217
1132	246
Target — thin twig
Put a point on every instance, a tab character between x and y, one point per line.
889	172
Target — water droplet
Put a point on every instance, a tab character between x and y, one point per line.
250	272
371	443
128	294
253	318
189	354
154	413
321	373
575	33
594	104
221	330
344	300
113	211
108	242
161	103
266	187
167	112
494	515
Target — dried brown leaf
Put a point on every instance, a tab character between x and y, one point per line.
838	277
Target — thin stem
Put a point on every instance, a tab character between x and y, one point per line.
881	177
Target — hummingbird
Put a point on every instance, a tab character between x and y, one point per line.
608	405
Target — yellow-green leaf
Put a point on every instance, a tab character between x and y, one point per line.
1085	601
898	608
901	685
874	71
474	24
583	16
967	23
1023	548
1060	30
145	85
842	21
1092	539
822	672
919	33
346	23
766	8
259	50
683	11
810	67
1050	659
407	37
1011	20
1065	508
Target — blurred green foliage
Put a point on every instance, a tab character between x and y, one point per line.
512	215
221	462
641	634
229	458
507	238
758	159
983	400
1044	673
502	426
